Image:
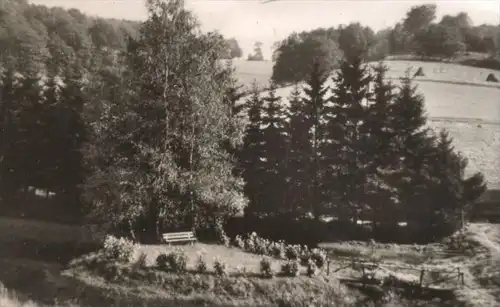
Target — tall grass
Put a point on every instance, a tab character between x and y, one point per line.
9	298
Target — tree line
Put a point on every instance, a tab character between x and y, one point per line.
158	140
359	149
418	33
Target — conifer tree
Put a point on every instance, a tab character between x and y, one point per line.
274	136
345	133
381	197
413	150
315	103
299	151
253	153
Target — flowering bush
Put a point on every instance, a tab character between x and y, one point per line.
177	261
201	266
318	256
291	268
312	269
265	268
220	267
277	249
162	262
239	242
292	252
121	249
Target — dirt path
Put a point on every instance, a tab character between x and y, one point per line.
482	271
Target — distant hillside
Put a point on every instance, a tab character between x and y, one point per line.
40	37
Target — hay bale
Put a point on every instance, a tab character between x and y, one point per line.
420	72
491	78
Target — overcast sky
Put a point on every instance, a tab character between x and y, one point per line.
249	21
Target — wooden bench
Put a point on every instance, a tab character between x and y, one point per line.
176	237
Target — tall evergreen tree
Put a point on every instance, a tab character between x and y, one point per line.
252	155
299	151
274	136
345	130
315	102
381	197
413	149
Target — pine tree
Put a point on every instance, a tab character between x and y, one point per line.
299	151
253	153
345	133
315	103
381	195
274	136
8	108
413	150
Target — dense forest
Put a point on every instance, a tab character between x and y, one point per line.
145	135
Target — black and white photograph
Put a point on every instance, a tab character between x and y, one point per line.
249	153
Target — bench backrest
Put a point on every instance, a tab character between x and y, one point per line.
178	235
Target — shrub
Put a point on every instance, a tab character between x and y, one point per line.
260	246
304	258
265	268
201	266
141	262
121	250
318	256
177	261
277	249
291	268
250	243
312	269
292	252
220	267
239	242
162	262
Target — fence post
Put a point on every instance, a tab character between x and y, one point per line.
422	272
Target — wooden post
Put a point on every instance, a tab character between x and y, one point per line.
422	272
328	267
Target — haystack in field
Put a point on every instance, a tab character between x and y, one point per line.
491	78
419	73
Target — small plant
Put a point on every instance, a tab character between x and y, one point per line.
220	268
312	269
141	262
239	242
304	258
292	252
162	262
277	249
319	257
250	245
261	246
121	250
291	268
201	266
265	268
177	261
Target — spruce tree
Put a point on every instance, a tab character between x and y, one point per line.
252	154
380	143
315	104
299	151
274	136
348	152
413	151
